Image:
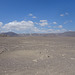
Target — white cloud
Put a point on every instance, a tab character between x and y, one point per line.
70	21
63	30
30	14
34	17
1	23
49	26
36	23
16	24
56	31
60	26
28	27
43	22
54	22
65	22
66	13
22	26
62	15
70	30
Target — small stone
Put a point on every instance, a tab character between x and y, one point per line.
35	60
72	58
48	56
40	52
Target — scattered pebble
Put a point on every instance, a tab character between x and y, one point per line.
35	60
40	52
63	55
48	56
72	58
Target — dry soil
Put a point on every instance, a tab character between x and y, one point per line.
37	55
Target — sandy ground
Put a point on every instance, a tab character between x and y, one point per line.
37	55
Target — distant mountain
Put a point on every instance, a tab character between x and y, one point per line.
69	33
38	34
10	34
43	34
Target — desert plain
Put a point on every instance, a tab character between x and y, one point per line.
37	55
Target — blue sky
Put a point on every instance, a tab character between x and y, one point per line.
37	16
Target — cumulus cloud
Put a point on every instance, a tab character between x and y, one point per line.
65	14
36	23
56	30
54	22
28	27
49	26
65	22
22	26
34	17
16	24
60	26
43	22
62	15
1	23
70	21
30	14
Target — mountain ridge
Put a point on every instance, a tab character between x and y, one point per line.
12	34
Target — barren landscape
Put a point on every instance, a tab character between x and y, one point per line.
37	55
37	37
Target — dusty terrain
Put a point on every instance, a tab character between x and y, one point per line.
37	55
